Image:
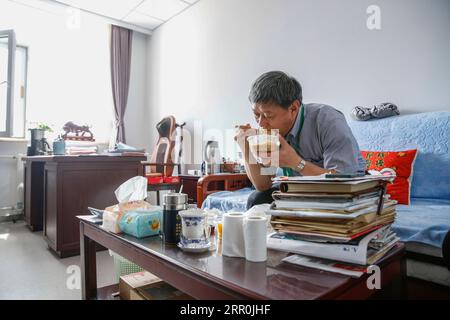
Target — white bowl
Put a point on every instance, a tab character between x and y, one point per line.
262	146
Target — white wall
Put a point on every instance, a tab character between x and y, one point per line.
137	131
202	62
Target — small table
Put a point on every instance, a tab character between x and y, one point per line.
210	275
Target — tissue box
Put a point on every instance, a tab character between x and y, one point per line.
112	215
110	221
142	223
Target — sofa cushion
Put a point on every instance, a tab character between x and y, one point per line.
401	162
428	132
424	221
228	200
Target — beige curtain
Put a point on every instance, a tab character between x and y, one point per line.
121	43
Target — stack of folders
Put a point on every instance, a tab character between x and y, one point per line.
333	224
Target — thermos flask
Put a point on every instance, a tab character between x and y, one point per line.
173	203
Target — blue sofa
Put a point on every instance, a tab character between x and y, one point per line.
424	225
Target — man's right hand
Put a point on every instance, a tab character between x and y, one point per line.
253	170
242	132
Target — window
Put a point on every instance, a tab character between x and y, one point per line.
13	74
20	90
7	54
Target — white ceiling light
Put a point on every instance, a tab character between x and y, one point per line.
162	9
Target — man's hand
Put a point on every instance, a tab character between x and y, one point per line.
242	132
285	157
289	158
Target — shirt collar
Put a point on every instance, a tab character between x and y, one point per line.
295	129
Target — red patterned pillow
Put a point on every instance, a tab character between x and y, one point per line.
402	163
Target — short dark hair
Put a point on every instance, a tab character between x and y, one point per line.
276	87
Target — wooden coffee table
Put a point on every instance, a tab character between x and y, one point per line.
210	275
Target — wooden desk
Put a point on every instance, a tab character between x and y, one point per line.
210	275
57	188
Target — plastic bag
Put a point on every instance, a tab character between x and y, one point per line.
133	189
130	195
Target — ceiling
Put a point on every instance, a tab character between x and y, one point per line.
147	14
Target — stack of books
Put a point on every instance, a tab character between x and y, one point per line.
81	150
337	219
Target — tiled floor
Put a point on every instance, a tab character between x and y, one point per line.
29	270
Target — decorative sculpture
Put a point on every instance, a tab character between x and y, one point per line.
71	128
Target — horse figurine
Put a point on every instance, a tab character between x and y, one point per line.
71	127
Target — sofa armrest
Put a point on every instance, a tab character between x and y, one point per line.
446	250
220	182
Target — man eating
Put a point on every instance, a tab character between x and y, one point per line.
314	138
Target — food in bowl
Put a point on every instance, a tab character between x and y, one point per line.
262	145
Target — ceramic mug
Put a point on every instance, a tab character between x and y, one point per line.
193	222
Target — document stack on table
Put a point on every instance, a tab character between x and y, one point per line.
333	219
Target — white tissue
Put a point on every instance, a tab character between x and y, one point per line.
260	210
255	234
133	189
233	235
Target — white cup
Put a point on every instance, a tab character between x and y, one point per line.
193	224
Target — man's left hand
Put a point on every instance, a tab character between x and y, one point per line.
288	156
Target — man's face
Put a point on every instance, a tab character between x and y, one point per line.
273	116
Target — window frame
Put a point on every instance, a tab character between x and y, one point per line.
10	35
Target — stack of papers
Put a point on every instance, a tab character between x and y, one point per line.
81	150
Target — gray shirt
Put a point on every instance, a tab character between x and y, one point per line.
325	140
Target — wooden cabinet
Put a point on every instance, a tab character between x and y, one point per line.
189	184
71	184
